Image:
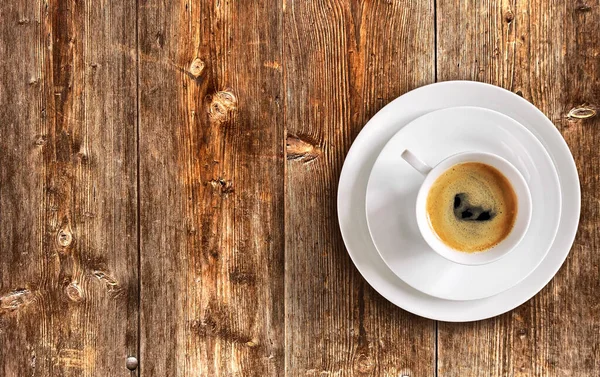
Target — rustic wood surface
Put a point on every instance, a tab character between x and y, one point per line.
231	119
68	193
548	52
342	62
211	188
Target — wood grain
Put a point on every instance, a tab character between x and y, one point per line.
232	120
546	51
343	61
68	249
211	188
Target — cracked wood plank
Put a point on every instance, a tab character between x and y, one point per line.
547	52
211	188
68	188
343	62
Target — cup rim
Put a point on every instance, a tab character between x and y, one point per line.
504	247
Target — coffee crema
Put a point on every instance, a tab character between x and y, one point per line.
471	207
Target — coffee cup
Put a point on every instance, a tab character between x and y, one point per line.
522	214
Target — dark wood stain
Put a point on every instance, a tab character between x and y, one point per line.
232	120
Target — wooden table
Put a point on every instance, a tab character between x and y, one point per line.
169	170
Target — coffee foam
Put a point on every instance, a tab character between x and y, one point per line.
471	207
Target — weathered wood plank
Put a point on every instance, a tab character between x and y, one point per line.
546	51
343	61
68	249
211	188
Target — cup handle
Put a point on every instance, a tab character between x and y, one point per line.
415	162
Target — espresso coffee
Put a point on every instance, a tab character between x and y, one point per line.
471	207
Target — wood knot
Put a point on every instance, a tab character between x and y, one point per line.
82	157
197	67
583	8
41	140
363	364
64	238
74	292
110	283
218	327
222	105
509	16
273	65
582	112
160	39
225	188
301	150
15	300
89	214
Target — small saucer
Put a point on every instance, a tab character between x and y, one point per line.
393	186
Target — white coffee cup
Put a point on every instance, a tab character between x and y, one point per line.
508	170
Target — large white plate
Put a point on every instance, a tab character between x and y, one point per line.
366	148
393	187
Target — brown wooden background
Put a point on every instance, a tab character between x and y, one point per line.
168	177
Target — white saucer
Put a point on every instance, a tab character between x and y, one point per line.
392	192
360	160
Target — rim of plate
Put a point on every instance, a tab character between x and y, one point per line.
553	173
362	155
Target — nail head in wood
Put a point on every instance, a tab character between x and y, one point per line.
131	363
